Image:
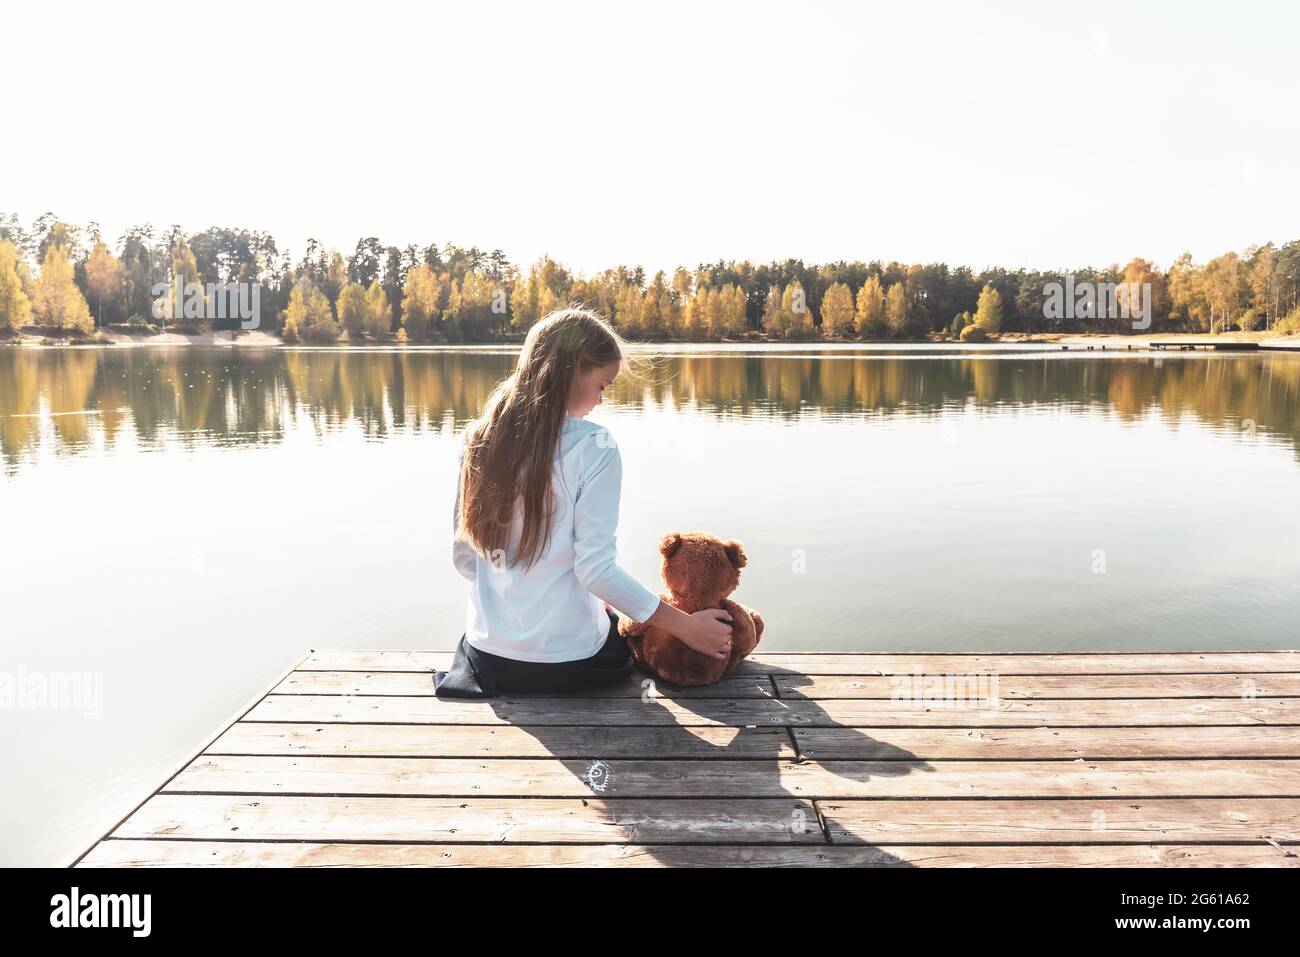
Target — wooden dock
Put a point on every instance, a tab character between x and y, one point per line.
801	760
1214	345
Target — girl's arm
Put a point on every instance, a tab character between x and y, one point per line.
704	630
595	524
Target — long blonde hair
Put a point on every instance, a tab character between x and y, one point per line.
510	448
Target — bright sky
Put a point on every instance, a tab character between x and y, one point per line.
662	133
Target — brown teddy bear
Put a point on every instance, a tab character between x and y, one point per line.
700	572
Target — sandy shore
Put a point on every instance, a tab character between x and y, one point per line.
254	338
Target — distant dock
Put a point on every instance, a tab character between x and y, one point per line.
1191	344
1100	759
1184	345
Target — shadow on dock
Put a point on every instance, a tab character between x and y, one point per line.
765	749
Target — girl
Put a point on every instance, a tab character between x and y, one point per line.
535	520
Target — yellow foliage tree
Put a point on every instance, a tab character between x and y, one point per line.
772	317
898	309
308	315
59	303
15	307
869	317
796	314
629	309
378	319
420	302
352	309
988	313
837	310
731	311
102	272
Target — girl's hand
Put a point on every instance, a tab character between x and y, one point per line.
709	632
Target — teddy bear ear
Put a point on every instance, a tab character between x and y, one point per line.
735	553
669	544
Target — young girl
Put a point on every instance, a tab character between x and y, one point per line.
535	520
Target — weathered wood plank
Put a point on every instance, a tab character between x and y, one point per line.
451	777
878	744
477	820
1044	743
771	712
163	853
891	663
1174	821
1042	686
503	741
420	683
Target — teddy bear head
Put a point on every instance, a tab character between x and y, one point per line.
700	569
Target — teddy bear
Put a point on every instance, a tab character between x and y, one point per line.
700	572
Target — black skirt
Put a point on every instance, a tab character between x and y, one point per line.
478	674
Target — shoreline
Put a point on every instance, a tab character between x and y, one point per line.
256	339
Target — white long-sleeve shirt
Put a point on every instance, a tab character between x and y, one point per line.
555	610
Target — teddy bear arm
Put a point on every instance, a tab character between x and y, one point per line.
745	631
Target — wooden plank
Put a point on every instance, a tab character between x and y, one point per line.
770	712
502	741
164	853
631	778
1034	664
420	683
1261	662
475	820
1044	686
1030	743
1177	821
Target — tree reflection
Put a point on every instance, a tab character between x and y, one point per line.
75	399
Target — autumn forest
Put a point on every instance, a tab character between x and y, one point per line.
63	280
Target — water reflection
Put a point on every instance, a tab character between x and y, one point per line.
67	401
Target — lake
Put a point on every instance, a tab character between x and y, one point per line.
178	525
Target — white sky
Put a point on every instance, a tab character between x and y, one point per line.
662	133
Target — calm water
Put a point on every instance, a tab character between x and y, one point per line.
181	524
